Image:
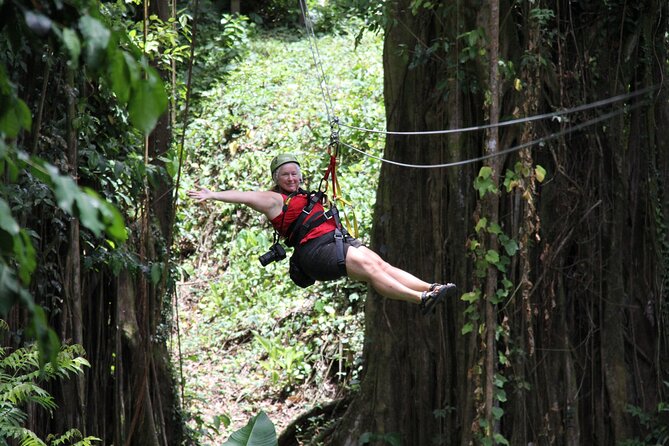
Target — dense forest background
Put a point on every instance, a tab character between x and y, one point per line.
555	229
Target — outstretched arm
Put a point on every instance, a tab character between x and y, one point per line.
268	203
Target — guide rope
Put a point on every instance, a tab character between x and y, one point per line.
313	46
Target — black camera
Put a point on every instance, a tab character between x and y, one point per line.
275	253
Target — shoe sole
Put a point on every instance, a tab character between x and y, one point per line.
447	289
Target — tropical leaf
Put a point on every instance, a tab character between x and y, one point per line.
259	431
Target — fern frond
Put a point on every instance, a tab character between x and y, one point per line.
25	436
14	360
30	392
68	436
30	438
11	416
20	374
4	326
15	432
5	377
88	441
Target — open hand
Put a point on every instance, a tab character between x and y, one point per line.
200	195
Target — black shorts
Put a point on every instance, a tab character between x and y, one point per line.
318	257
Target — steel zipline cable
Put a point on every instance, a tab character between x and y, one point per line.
555	114
505	151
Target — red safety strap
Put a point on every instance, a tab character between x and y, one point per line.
331	171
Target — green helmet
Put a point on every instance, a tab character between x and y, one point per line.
282	159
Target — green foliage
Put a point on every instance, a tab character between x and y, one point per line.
286	364
390	439
485	258
20	384
655	425
284	337
258	432
205	429
86	41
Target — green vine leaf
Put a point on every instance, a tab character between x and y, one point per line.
499	439
539	173
494	228
471	297
492	257
481	224
484	182
510	246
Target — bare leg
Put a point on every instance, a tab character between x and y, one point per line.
364	264
406	278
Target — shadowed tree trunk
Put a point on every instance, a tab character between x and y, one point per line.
416	366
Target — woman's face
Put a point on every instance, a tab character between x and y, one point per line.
289	177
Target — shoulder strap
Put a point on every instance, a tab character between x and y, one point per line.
298	229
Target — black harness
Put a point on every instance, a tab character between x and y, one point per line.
301	227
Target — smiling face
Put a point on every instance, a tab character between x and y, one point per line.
288	177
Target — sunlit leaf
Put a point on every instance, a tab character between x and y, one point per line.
7	222
148	102
24	253
64	188
37	22
108	216
88	208
73	45
119	76
14	117
96	38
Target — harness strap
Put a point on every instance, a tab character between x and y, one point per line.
299	228
293	236
340	234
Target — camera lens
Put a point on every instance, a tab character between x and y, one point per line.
276	252
266	258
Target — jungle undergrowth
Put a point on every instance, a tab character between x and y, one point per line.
250	339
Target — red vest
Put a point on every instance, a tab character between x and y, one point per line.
283	221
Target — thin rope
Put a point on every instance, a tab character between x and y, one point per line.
503	152
175	188
313	46
579	108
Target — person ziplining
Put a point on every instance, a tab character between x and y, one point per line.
323	248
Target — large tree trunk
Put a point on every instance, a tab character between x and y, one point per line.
417	366
584	329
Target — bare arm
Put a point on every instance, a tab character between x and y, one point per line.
268	203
